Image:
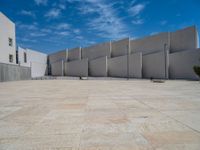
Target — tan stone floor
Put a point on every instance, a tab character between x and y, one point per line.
99	115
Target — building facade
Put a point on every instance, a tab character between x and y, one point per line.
7	40
10	55
34	59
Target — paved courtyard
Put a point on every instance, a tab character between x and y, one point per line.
99	115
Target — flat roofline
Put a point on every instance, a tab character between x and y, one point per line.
6	17
27	49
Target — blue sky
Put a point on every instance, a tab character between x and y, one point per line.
52	25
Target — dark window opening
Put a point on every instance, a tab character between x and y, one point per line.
10	41
10	58
25	57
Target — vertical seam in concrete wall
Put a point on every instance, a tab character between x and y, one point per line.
167	64
169	41
62	68
128	49
196	37
65	63
110	49
169	51
31	68
106	66
67	54
87	67
165	56
80	53
141	55
65	66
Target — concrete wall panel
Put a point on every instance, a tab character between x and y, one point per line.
25	73
38	69
117	67
58	56
98	67
135	65
57	68
150	44
120	48
181	64
96	51
74	54
184	39
155	65
10	72
77	68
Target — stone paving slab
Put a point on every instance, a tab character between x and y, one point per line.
99	115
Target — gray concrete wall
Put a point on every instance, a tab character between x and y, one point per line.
120	48
181	64
155	65
10	72
57	68
184	39
96	51
74	54
98	67
117	67
150	44
58	56
135	65
77	68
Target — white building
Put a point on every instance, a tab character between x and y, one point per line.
25	57
34	59
7	40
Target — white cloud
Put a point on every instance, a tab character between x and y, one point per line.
37	34
138	21
56	10
27	13
62	6
90	42
41	2
63	26
133	38
136	9
153	33
26	26
53	13
85	9
107	23
27	40
77	31
63	33
79	37
46	30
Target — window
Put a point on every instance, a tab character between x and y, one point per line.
10	41
10	58
25	58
